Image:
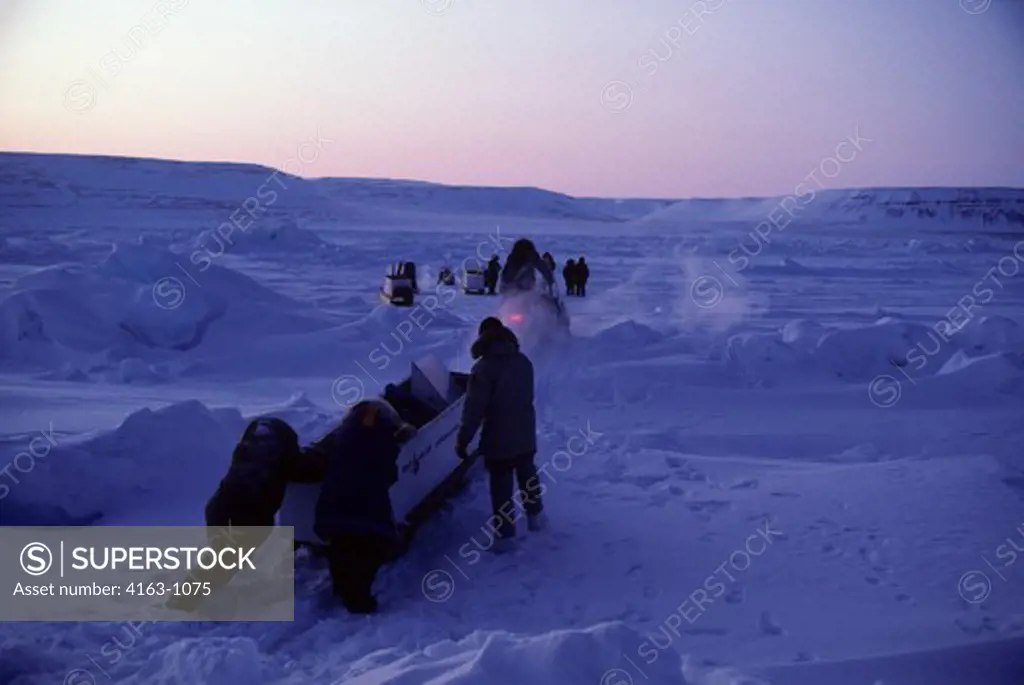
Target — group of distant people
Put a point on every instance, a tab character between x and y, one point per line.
576	273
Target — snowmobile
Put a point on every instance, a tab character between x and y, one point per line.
532	306
429	471
398	288
473	281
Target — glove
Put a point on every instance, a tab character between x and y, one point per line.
462	452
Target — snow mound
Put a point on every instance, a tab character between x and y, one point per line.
224	660
134	371
67	372
564	657
991	334
803	334
1002	372
400	322
803	349
153	458
138	300
35	249
864	352
262	237
627	334
763	357
308	419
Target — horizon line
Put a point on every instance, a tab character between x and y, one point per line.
258	165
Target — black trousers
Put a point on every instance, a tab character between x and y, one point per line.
570	288
505	475
354	560
581	289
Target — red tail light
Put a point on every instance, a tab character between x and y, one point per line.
515	318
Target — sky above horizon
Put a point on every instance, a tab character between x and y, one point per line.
651	98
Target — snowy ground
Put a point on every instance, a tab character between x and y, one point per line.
785	467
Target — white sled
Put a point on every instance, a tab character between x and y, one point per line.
428	469
473	282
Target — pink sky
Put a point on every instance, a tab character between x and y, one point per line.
713	98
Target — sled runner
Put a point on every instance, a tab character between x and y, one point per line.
429	471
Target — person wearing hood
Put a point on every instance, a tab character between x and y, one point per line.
353	513
569	274
582	276
499	403
491	274
522	266
550	261
243	509
265	460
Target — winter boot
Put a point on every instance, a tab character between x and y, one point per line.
537	523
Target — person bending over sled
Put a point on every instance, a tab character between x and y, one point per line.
354	514
500	396
265	460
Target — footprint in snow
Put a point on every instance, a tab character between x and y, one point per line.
749	484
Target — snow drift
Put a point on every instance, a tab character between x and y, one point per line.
139	303
805	349
153	460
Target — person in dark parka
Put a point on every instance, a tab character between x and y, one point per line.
491	274
243	510
353	513
550	261
522	266
265	460
582	276
569	274
500	398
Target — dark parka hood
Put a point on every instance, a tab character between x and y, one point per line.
497	341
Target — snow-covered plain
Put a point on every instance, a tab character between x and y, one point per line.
786	454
